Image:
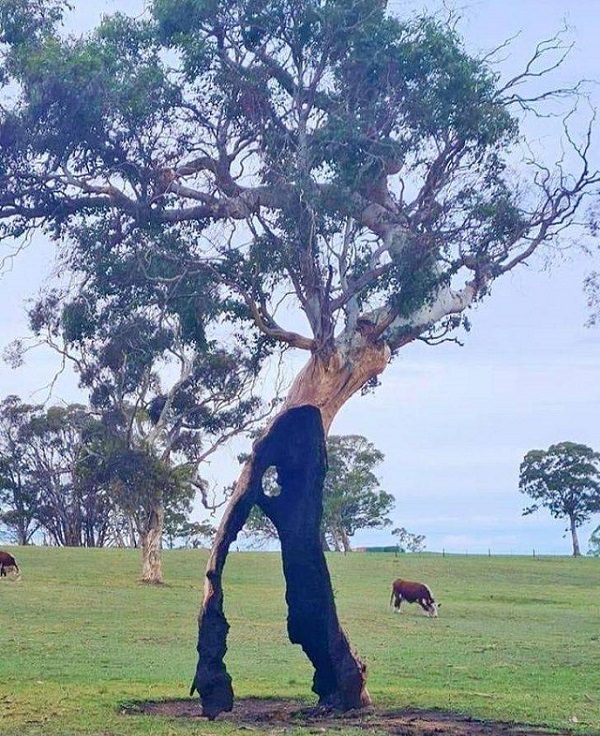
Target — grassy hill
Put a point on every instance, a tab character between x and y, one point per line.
518	639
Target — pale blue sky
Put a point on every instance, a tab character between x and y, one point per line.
454	423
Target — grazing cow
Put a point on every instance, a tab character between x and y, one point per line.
406	590
7	561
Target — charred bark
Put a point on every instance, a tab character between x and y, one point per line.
295	445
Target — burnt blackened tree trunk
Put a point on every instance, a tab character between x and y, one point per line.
295	446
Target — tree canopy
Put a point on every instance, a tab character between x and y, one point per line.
19	495
592	291
139	336
565	479
321	152
352	497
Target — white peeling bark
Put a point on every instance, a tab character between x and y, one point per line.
574	539
152	572
447	301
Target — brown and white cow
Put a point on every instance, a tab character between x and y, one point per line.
8	561
407	590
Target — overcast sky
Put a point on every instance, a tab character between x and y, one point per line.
453	422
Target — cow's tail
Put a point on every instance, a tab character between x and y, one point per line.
392	596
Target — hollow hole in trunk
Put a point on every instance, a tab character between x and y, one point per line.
270	482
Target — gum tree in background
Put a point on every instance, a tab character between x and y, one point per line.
591	287
352	497
137	329
317	157
594	542
143	486
19	495
565	479
591	284
69	475
409	542
42	486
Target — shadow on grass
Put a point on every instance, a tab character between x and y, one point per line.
268	713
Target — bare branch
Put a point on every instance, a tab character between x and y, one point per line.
542	49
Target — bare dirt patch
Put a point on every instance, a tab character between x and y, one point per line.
268	714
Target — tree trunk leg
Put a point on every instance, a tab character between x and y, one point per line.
340	676
211	680
300	457
295	445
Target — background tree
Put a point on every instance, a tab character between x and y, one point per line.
44	488
320	156
409	542
19	495
591	284
565	479
142	486
67	473
138	332
177	526
594	542
352	499
196	534
592	291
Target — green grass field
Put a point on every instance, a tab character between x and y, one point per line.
517	639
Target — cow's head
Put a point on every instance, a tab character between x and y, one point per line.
13	570
432	608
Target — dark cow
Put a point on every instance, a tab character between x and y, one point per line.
7	561
406	590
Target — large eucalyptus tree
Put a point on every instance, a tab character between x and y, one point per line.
344	176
